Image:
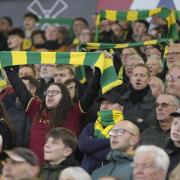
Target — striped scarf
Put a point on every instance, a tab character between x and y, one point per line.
134	15
109	77
105	122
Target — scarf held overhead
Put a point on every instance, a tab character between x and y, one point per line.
105	122
109	77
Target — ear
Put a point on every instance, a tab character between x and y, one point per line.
68	151
134	141
34	171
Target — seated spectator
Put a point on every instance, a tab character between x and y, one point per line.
58	152
94	138
159	134
20	163
155	65
74	173
173	146
139	105
173	80
150	163
156	85
123	139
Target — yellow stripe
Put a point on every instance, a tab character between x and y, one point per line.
132	15
77	58
154	11
150	42
111	85
48	57
111	15
100	62
171	19
98	20
122	45
107	63
19	57
93	45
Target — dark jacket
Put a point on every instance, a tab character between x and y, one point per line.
155	136
49	172
94	149
119	165
174	154
142	111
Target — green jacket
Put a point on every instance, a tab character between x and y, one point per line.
49	172
119	165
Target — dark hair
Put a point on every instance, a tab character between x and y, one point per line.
66	135
34	82
82	20
61	111
31	15
5	121
17	31
36	32
8	19
29	66
142	21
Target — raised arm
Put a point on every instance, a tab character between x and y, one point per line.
18	86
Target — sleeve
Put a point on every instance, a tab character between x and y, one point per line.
91	92
18	86
89	144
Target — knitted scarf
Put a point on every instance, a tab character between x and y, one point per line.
105	122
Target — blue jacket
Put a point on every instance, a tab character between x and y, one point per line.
119	166
94	149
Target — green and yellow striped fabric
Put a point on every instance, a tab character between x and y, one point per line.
90	46
108	78
134	15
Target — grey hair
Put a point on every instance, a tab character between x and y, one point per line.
77	173
160	156
157	59
137	57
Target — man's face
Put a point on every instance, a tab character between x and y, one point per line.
145	168
153	66
85	36
173	56
121	141
38	39
26	71
29	23
139	78
125	54
139	29
13	170
118	31
78	26
5	26
62	75
107	105
175	130
52	33
47	71
155	86
149	50
54	150
173	82
14	42
165	104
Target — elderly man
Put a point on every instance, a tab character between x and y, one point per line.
150	163
123	139
160	132
20	163
173	80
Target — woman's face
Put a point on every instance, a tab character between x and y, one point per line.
53	96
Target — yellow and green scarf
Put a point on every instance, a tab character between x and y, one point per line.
105	122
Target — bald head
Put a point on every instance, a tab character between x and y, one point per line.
124	136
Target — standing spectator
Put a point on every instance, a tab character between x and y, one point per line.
15	39
150	163
139	103
123	139
58	152
159	134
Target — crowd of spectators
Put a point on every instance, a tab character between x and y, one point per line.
52	126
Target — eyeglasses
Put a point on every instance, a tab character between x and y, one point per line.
52	92
172	78
164	105
118	132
